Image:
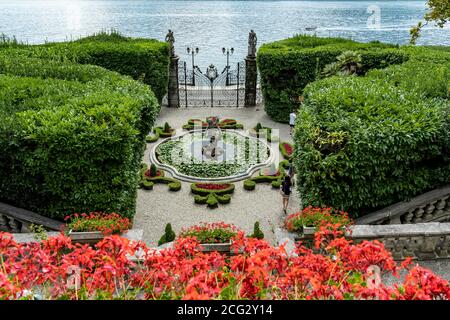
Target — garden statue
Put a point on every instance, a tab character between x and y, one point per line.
252	40
170	39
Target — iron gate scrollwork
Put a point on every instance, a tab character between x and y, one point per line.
211	88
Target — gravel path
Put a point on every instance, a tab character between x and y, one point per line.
157	207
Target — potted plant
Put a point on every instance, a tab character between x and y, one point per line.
307	221
212	236
93	227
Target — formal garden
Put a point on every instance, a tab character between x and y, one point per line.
144	201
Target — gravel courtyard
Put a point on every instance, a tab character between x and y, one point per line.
157	207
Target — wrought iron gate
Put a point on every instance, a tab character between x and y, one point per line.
211	88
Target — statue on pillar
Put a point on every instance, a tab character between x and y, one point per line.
170	39
252	39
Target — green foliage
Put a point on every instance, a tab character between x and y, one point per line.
168	236
69	145
212	197
39	232
347	63
141	59
359	152
72	134
257	233
287	66
160	132
153	170
438	12
258	127
167	128
261	132
223	124
203	192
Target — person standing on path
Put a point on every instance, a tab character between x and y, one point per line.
286	192
292	117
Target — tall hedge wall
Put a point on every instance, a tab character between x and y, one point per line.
366	142
287	66
146	60
72	136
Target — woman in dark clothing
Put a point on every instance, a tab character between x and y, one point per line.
286	191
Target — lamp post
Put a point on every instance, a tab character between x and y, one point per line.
212	74
193	52
227	52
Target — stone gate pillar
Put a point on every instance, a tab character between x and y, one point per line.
251	71
173	96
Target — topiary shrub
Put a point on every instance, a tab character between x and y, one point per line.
168	235
153	170
212	194
152	176
167	128
223	124
275	180
257	233
205	188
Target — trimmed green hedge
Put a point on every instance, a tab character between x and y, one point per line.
205	192
275	181
147	183
72	136
287	66
146	60
158	132
362	143
223	124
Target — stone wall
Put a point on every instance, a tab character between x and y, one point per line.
17	220
422	241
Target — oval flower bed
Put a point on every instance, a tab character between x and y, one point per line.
92	227
211	236
286	150
204	189
310	220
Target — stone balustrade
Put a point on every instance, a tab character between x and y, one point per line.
422	241
17	220
433	206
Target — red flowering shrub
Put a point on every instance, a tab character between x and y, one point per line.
218	232
59	269
110	223
324	218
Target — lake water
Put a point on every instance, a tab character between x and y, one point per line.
211	25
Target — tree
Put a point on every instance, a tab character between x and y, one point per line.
438	12
257	233
347	63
